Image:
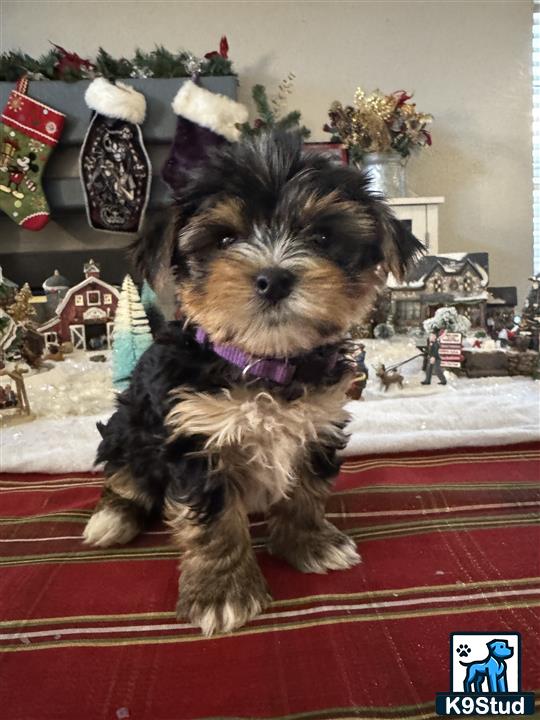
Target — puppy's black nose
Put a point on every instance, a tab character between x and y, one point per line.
274	284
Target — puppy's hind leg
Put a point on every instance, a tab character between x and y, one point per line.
121	513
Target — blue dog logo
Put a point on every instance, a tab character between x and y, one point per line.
492	669
491	686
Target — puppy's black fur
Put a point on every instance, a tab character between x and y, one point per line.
194	438
137	437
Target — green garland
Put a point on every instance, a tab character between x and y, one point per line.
14	64
59	64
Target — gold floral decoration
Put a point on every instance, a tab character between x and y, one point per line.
379	123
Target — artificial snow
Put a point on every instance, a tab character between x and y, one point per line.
463	413
51	445
70	398
75	386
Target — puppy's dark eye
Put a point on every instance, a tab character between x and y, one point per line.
321	238
227	240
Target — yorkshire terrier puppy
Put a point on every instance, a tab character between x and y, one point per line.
275	253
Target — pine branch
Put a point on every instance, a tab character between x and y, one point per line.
111	68
260	98
291	121
246	130
218	66
162	63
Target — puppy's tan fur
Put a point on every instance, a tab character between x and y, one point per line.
221	585
324	297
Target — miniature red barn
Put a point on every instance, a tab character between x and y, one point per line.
85	316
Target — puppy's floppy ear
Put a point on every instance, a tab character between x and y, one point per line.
401	249
154	251
397	245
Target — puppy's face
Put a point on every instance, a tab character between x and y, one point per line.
277	252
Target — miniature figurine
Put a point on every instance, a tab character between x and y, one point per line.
55	353
434	361
30	352
10	397
66	347
361	360
359	383
18	335
14	405
389	377
504	337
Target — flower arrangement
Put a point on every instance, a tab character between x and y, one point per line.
379	123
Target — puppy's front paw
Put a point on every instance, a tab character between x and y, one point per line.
317	551
221	603
110	527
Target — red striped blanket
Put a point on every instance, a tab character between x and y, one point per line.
449	541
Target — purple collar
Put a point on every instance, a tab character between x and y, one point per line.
280	370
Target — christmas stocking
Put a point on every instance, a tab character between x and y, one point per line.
115	169
205	120
29	130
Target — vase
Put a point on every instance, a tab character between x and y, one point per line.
386	171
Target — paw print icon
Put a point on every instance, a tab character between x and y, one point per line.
463	650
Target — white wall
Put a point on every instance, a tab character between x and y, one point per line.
467	61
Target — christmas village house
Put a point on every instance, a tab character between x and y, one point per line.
459	280
85	315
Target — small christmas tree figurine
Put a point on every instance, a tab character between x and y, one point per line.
131	335
151	308
21	310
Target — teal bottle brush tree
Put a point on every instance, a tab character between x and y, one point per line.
131	335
